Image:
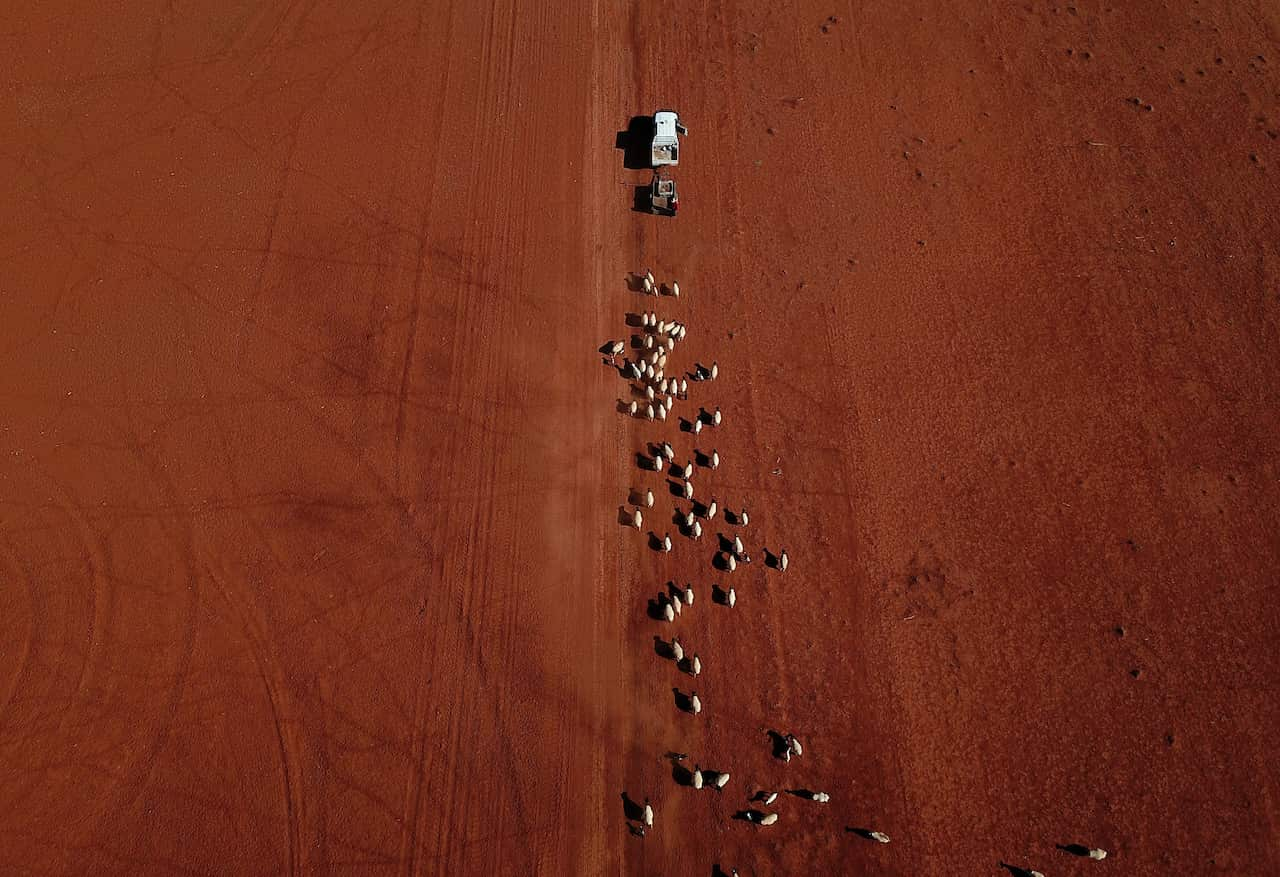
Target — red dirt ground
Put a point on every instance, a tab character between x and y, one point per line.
308	534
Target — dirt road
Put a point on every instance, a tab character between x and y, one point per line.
311	474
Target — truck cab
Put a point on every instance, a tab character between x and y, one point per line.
666	143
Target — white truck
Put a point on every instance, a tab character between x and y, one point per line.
666	144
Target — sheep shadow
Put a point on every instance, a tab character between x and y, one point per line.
656	610
676	487
635	282
703	460
725	543
686	425
635	321
662	648
642	462
719	595
807	794
1013	869
625	517
771	560
684	702
656	544
636	143
720	562
681	774
781	746
630	809
752	815
717	871
732	518
1073	849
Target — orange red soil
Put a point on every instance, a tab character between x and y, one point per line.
308	503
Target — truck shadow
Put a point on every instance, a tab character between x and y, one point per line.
635	143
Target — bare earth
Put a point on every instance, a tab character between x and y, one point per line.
310	559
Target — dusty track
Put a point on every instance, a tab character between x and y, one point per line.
309	473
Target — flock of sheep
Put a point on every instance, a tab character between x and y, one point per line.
654	398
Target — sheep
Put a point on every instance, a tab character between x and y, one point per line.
732	598
770	798
653	357
662	327
635	408
697	777
648	372
675	604
656	465
677	650
715	459
1083	851
689	520
648	412
675	289
695	705
715	417
662	385
648	342
732	563
711	509
697	427
668	613
648	275
637	519
662	412
671	344
648	814
769	819
688	595
684	389
820	797
648	499
668	451
737	541
666	543
1097	855
695	666
782	560
649	394
668	403
742	518
634	371
617	347
884	839
722	779
662	362
715	371
697	529
688	470
688	490
793	745
648	286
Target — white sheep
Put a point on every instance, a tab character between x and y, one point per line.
695	666
689	520
648	412
653	358
782	560
732	563
662	363
697	427
737	541
677	650
668	451
637	519
820	797
715	371
884	839
684	388
662	385
694	703
697	778
649	394
617	347
662	327
676	605
668	403
697	529
711	509
722	780
648	342
671	344
675	289
666	542
656	465
769	819
688	490
1097	854
635	372
770	798
635	407
648	372
668	613
715	459
648	275
688	595
688	470
662	412
794	745
732	598
715	416
648	814
648	499
742	518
